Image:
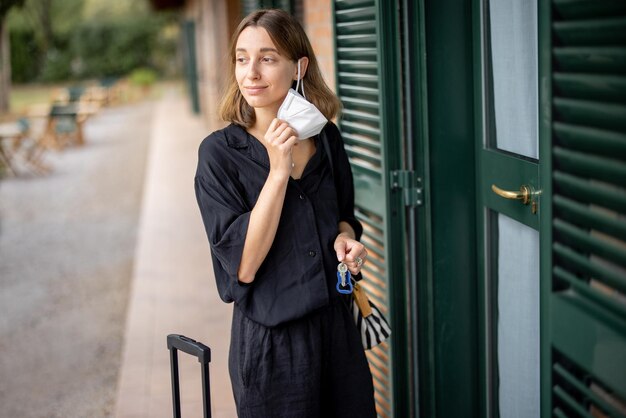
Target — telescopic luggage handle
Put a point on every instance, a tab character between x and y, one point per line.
189	346
177	342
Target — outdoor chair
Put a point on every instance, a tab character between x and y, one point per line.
32	149
95	96
64	126
110	87
6	154
20	149
75	93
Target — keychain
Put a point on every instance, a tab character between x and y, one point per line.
344	282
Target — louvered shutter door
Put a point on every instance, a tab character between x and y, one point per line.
368	118
588	302
248	6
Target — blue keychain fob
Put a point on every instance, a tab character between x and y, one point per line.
344	279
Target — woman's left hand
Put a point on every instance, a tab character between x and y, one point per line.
351	252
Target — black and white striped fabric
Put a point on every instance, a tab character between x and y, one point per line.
374	329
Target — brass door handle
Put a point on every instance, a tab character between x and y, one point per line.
524	194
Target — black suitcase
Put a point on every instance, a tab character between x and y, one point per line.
177	342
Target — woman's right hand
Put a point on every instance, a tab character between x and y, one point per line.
279	141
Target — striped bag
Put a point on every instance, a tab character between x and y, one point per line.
370	322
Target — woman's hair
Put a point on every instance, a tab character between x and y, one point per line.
292	42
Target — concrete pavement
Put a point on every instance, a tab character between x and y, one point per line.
67	243
173	289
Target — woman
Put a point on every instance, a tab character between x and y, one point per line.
278	222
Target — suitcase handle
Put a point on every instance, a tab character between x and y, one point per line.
189	346
177	342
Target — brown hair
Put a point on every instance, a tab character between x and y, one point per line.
292	42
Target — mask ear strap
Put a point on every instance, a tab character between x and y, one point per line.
298	83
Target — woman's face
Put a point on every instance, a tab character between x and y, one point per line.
264	76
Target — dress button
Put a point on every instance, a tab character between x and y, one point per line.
312	253
301	197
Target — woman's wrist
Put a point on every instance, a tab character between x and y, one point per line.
346	234
278	177
346	230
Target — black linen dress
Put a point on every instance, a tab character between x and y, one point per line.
295	351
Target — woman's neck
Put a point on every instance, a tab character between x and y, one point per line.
263	118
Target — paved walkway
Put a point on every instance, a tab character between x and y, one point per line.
173	289
67	243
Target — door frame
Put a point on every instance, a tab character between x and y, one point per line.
443	124
544	19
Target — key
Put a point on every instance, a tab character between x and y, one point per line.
342	268
344	282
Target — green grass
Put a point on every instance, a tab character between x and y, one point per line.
24	96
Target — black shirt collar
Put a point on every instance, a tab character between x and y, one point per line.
238	138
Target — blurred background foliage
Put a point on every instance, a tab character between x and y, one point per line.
61	40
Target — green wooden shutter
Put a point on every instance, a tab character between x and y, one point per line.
295	7
587	291
366	43
248	6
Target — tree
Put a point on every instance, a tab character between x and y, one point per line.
59	40
5	54
41	16
49	24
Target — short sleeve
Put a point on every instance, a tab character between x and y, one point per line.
344	182
225	216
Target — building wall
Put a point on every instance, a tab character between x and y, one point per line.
215	21
318	25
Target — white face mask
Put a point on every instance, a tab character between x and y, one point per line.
301	115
